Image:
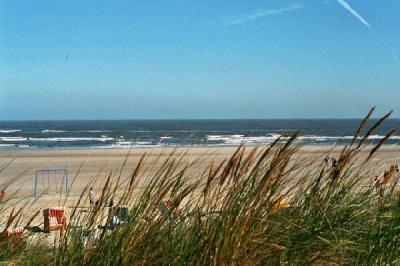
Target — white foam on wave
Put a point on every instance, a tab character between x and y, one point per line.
124	143
15	145
321	138
143	143
129	144
98	131
12	139
72	139
175	131
8	145
24	146
381	137
332	138
10	130
52	131
241	139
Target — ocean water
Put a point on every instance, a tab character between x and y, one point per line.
153	133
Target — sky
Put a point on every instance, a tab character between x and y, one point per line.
158	59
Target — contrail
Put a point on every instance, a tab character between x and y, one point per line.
346	6
235	20
385	47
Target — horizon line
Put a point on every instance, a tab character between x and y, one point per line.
186	119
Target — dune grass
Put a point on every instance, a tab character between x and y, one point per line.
263	206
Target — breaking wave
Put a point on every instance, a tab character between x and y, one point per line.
10	130
13	139
53	131
72	139
242	139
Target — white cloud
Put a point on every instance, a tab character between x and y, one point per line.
346	6
235	19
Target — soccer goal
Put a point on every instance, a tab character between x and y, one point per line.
48	181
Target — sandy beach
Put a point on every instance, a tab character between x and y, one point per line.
102	162
85	164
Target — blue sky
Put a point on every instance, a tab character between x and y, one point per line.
198	59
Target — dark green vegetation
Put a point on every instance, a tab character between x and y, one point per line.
230	214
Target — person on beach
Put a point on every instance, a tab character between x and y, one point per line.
92	197
2	194
111	203
334	162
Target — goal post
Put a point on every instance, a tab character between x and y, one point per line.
48	179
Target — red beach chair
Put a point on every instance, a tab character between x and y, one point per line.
54	219
16	232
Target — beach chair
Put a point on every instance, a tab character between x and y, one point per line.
14	232
54	219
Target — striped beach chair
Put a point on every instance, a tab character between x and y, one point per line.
54	219
14	232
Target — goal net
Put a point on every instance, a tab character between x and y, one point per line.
51	181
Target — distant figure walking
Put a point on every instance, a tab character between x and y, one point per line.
326	161
334	163
92	197
2	194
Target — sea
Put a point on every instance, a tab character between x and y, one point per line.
163	133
